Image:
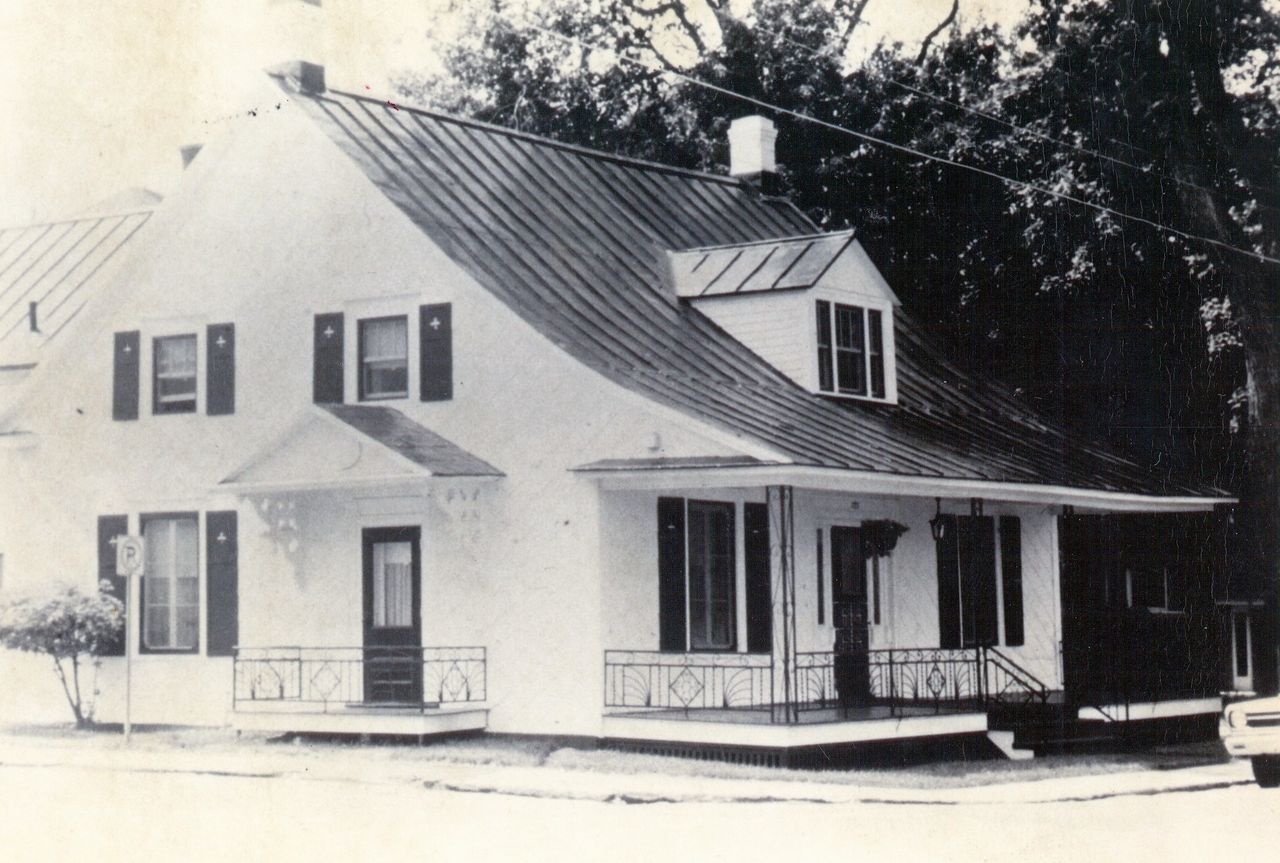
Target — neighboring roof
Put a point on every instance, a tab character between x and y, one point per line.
419	445
741	268
132	198
576	243
52	265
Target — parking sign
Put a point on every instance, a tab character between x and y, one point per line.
128	555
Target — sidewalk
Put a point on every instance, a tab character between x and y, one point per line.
394	765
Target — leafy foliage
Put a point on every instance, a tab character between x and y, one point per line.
69	626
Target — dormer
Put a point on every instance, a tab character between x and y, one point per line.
814	307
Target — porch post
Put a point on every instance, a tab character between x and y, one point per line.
782	585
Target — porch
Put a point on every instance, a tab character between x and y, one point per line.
819	699
360	690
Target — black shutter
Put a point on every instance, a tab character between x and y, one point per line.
755	519
1011	578
109	527
328	379
222	585
948	584
221	381
671	588
124	381
435	355
977	555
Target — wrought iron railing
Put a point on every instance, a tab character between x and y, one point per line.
324	678
894	681
688	681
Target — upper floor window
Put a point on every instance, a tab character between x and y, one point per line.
850	350
384	358
174	382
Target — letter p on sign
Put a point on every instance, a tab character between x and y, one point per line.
128	555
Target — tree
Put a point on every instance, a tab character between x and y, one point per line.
70	627
1110	318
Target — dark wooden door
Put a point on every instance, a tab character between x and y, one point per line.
392	615
849	615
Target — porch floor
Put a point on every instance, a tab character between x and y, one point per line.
818	727
359	719
811	716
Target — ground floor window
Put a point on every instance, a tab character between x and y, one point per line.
170	583
710	538
979	581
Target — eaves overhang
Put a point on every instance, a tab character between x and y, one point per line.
617	476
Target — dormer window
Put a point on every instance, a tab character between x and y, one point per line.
850	350
384	358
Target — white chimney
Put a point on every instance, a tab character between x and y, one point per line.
751	147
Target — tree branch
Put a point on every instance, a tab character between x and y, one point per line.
933	34
855	18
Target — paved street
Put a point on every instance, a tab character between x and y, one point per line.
70	811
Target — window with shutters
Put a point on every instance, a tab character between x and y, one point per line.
174	379
170	584
384	358
851	350
711	574
971	598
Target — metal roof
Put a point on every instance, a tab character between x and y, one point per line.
742	268
417	443
53	265
577	243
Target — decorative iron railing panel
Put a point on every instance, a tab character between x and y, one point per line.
926	675
688	681
900	680
332	677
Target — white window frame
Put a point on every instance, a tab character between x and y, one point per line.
865	305
156	399
172	647
361	361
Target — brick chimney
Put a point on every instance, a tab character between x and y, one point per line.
752	158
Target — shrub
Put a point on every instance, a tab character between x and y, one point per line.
70	626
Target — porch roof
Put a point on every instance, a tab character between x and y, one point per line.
710	473
328	447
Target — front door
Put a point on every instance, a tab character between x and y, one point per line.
849	614
392	615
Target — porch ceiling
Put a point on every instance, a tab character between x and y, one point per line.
646	474
343	446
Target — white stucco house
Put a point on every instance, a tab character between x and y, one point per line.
434	426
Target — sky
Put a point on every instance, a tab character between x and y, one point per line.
98	97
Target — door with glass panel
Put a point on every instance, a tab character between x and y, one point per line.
392	615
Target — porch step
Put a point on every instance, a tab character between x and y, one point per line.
1004	741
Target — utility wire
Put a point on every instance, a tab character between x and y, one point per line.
893	145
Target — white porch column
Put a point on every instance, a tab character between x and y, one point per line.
782	587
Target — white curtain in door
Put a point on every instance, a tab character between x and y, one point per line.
392	584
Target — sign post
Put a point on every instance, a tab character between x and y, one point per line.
129	556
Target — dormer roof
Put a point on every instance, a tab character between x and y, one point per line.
765	265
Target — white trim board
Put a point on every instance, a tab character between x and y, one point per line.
790	736
1145	710
871	482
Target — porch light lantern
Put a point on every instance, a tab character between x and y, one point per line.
938	524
